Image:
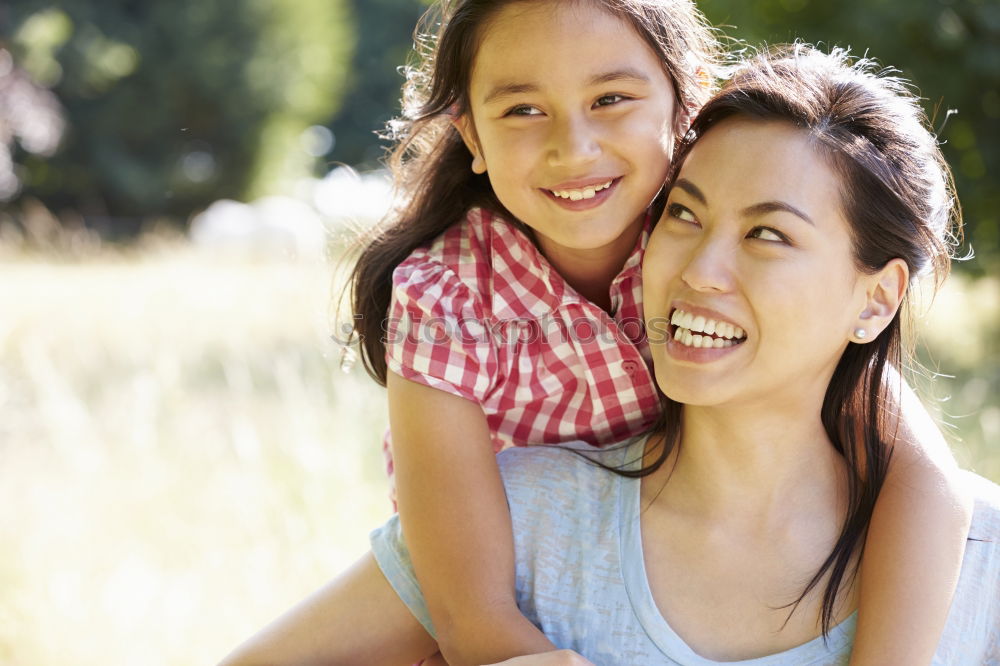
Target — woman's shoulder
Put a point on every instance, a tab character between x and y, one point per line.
981	566
563	475
986	514
972	633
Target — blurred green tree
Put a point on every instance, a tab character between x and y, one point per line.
30	119
950	49
373	90
171	106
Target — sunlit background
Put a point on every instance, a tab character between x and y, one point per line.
183	450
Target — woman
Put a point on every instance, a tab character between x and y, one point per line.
808	196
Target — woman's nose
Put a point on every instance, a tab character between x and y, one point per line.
708	266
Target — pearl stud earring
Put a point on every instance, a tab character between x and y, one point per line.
860	333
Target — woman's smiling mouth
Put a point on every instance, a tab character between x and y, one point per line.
701	332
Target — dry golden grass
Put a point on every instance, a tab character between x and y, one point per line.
181	457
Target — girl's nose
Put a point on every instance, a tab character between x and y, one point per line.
573	142
708	266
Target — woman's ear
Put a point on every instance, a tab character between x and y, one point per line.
884	291
467	130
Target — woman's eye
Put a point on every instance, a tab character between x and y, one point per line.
767	234
522	110
608	100
679	212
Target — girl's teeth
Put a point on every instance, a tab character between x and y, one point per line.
588	192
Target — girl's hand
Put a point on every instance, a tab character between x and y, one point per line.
554	658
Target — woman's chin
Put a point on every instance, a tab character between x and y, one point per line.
691	393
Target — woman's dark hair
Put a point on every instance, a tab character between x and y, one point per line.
433	183
897	195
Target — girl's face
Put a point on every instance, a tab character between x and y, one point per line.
750	288
572	118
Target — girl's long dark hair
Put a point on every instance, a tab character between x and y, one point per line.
433	183
897	195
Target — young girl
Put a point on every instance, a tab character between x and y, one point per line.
500	303
541	137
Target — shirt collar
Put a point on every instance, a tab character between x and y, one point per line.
524	285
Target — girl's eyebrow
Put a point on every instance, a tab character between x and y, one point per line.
623	74
761	208
507	89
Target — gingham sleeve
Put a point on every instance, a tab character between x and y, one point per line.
437	332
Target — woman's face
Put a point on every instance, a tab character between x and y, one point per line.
750	288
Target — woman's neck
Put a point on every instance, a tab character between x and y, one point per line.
748	461
748	507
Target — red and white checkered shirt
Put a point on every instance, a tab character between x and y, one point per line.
482	314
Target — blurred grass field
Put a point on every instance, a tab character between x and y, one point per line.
181	456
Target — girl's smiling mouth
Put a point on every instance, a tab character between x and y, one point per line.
582	196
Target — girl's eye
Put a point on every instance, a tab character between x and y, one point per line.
679	212
767	234
522	110
608	100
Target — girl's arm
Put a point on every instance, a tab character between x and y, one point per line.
356	619
456	524
913	553
557	658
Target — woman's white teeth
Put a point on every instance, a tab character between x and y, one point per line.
701	332
586	193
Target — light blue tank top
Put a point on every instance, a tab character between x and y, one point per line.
581	578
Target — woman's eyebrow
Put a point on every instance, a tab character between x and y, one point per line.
692	189
775	206
761	208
